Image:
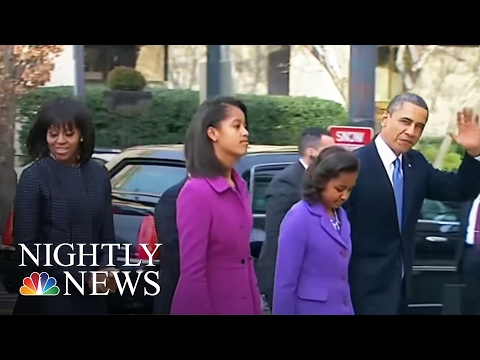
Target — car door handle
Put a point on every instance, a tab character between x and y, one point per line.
436	239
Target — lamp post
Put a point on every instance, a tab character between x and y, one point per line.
363	62
219	71
79	65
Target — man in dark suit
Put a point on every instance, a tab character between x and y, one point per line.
166	224
469	255
384	206
282	193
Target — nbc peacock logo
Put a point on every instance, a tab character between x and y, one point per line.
39	285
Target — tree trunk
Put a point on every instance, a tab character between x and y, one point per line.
442	152
8	176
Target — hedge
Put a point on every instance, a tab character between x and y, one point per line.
430	146
276	120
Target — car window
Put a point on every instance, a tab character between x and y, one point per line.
147	178
261	181
440	211
100	161
259	192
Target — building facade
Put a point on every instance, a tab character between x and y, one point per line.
150	60
257	69
449	77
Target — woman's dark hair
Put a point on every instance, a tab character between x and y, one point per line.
199	154
61	111
330	164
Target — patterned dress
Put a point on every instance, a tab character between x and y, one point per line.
56	203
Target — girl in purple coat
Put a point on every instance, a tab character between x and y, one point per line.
314	244
214	217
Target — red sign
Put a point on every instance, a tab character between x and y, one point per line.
351	137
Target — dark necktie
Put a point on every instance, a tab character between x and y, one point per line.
398	189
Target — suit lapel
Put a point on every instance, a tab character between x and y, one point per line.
325	223
378	169
408	186
464	215
466	208
345	227
295	176
299	173
242	193
377	165
299	167
330	230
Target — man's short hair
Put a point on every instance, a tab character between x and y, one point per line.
406	97
310	137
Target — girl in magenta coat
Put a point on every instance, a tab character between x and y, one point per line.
214	217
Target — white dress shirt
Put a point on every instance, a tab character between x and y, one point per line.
472	221
303	163
388	157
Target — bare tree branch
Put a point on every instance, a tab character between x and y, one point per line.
419	58
329	61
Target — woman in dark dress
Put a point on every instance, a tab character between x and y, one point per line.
64	197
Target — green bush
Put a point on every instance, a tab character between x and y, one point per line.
436	142
126	78
276	120
430	146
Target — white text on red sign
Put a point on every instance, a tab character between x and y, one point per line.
350	136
